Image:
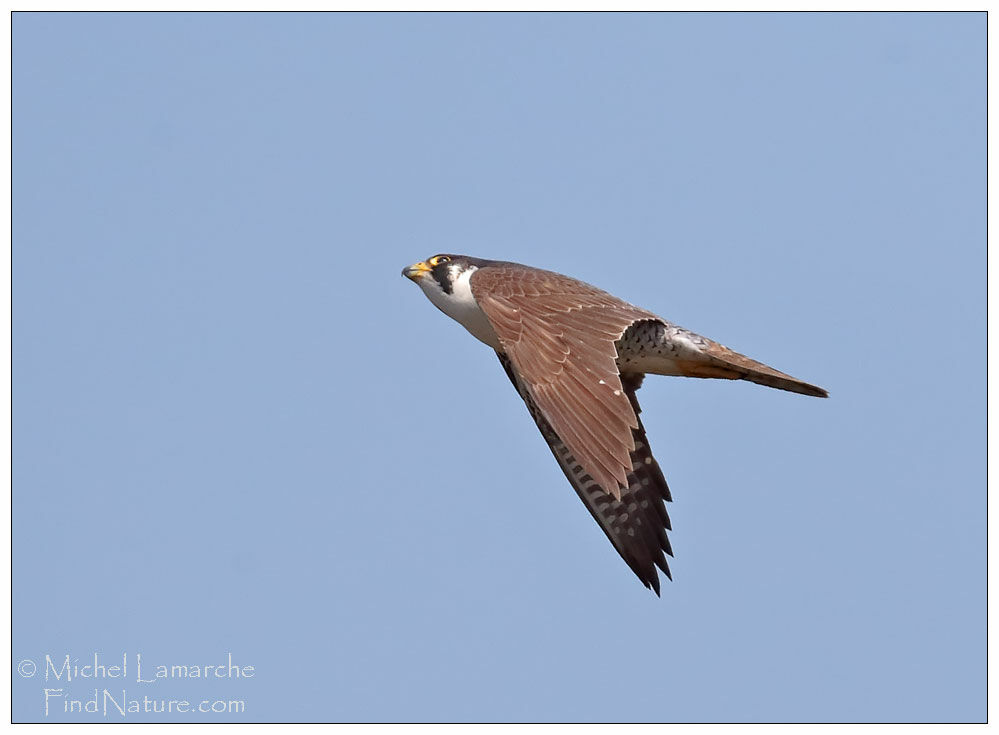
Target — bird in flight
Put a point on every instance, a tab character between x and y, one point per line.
577	357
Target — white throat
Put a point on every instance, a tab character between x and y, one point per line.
461	305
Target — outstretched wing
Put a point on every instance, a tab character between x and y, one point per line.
636	523
559	335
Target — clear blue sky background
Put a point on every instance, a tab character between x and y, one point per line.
237	429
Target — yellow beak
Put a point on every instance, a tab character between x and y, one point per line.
416	270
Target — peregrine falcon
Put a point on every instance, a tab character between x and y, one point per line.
577	357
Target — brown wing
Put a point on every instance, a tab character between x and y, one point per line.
636	524
559	334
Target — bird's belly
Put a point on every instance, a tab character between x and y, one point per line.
655	364
646	348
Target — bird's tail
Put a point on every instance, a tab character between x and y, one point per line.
775	379
722	362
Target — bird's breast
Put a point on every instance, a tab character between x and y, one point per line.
461	306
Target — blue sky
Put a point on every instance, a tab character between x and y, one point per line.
237	429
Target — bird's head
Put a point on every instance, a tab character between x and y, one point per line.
437	276
445	280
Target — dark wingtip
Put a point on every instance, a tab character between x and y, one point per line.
805	389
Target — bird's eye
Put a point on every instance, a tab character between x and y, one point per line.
438	259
